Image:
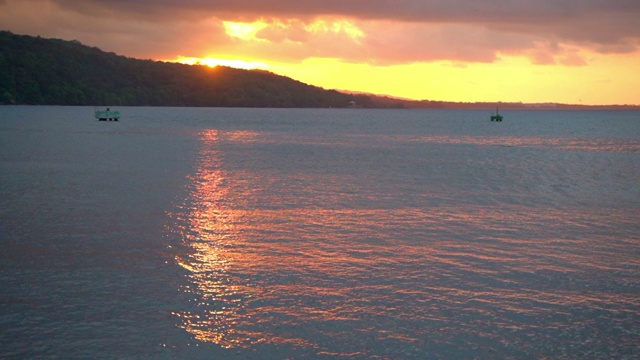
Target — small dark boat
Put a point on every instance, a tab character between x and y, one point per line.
497	116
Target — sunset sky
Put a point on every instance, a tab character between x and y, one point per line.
568	51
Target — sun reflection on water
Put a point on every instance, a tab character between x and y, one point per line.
206	228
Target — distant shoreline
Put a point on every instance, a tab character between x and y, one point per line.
482	105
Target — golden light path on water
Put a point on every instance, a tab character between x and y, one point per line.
209	231
350	263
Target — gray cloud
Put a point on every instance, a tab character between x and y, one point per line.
604	20
469	30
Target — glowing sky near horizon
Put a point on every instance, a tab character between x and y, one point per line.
569	51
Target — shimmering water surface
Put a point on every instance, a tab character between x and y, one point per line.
272	234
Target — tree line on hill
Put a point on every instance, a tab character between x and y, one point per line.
38	71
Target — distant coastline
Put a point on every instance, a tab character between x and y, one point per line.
433	104
428	104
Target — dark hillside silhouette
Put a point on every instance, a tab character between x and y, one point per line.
39	71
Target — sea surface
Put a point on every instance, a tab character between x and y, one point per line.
203	233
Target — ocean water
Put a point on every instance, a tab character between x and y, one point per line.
199	233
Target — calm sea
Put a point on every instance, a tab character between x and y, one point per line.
350	234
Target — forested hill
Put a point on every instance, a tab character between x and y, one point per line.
39	71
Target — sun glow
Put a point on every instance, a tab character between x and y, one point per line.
213	62
511	78
244	31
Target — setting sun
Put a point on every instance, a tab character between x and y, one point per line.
213	62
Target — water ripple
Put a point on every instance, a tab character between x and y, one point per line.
394	261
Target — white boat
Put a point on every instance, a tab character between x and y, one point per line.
107	115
